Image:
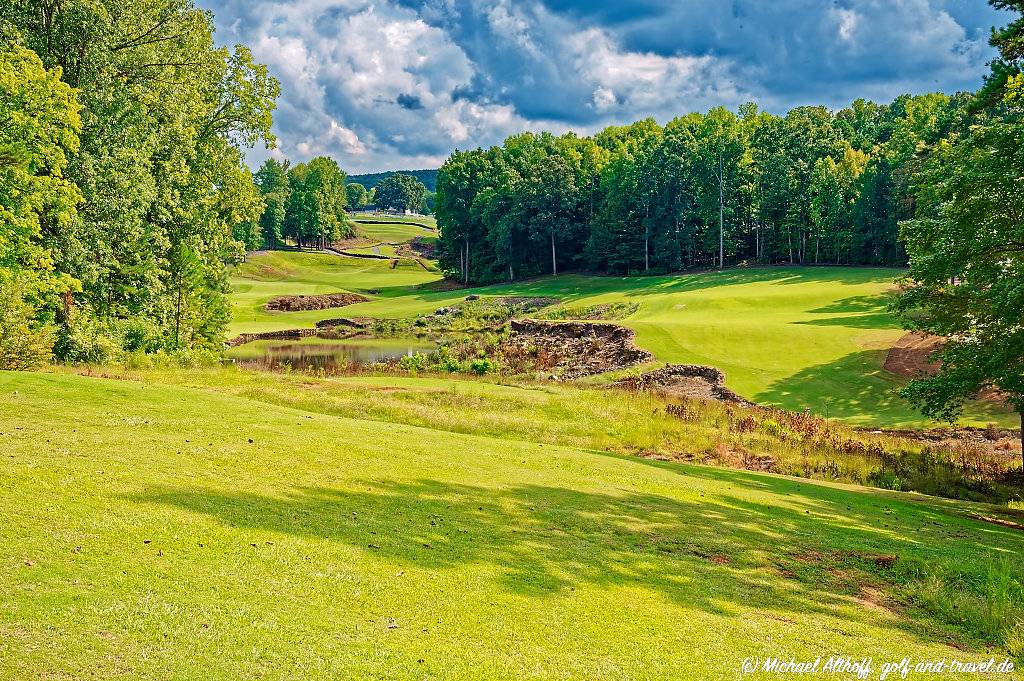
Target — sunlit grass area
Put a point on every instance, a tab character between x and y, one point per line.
163	531
391	231
802	338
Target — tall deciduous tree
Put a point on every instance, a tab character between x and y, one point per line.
966	279
400	192
315	206
39	125
165	116
272	181
357	195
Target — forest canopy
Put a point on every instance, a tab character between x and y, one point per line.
127	156
712	189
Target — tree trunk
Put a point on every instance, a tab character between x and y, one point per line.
554	261
721	214
177	318
69	306
1022	440
647	235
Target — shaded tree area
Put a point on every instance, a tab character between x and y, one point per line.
133	156
356	195
303	205
966	245
704	190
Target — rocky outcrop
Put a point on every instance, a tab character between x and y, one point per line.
287	334
573	349
349	322
322	302
685	380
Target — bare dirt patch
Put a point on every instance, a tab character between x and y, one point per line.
418	247
874	599
691	381
911	356
321	302
572	349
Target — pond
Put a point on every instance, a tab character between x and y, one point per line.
323	355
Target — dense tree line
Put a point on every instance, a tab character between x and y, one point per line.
122	182
303	204
371	180
713	189
400	192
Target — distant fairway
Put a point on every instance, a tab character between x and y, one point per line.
424	223
797	337
277	273
393	232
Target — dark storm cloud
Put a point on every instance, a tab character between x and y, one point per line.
410	102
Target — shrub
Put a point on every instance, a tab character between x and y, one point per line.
445	360
414	362
24	343
137	334
772	427
85	341
482	365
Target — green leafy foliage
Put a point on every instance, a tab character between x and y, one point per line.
414	362
482	365
356	195
24	342
966	279
272	181
705	190
315	204
156	166
400	192
39	126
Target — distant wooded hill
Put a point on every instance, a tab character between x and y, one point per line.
370	180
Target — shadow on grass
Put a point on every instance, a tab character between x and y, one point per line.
577	285
856	386
720	553
860	312
879	320
849	387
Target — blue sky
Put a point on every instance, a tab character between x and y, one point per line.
389	84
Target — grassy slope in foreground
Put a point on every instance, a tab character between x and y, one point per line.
799	338
160	532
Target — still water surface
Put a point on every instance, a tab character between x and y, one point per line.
323	355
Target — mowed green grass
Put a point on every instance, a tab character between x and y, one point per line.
277	273
797	337
392	232
152	531
377	249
